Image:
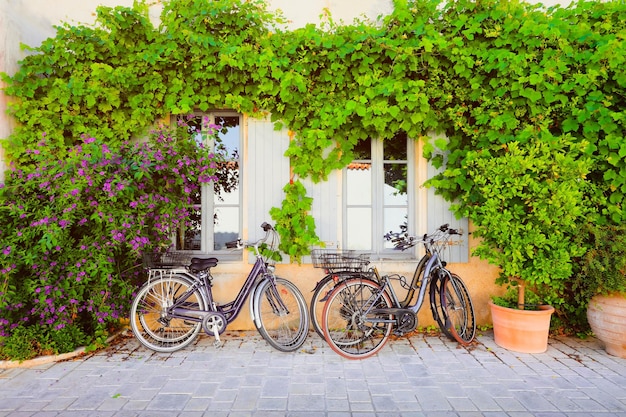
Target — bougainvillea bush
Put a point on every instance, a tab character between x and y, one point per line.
73	230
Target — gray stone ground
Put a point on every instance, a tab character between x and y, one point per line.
420	375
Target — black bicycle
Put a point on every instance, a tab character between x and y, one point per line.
360	314
170	309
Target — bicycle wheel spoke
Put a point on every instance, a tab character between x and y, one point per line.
350	328
151	321
281	314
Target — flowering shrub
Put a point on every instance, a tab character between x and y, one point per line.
72	231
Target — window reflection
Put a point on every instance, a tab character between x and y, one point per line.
221	201
376	193
226	190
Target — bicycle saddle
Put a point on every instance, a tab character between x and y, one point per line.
200	264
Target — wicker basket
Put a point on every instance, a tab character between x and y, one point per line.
339	260
166	260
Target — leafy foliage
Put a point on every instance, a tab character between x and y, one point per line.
294	223
600	270
527	203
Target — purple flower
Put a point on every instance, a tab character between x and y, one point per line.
6	251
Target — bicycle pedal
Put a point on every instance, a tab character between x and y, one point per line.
217	344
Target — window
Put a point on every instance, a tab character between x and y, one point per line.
216	217
378	193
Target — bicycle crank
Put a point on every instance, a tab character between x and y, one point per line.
214	324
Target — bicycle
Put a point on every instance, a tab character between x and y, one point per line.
177	301
360	314
338	265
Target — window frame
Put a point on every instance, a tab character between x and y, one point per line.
378	205
208	204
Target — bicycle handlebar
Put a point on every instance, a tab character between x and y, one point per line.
404	241
240	244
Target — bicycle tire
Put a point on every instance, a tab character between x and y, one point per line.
283	330
150	322
316	306
348	331
436	307
456	301
320	294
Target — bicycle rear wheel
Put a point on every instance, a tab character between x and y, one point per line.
318	300
320	295
280	314
352	327
151	321
459	311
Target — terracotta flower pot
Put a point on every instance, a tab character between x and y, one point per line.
522	331
607	317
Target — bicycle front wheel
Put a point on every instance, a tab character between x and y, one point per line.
150	318
281	314
459	311
436	305
352	326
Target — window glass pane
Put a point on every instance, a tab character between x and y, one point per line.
363	150
188	238
226	228
394	219
395	189
359	184
395	148
227	188
359	228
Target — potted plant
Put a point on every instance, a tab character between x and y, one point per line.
601	284
526	200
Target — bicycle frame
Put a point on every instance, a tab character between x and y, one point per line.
230	310
432	263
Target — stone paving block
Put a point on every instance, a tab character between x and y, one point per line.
534	402
169	402
482	399
461	404
308	403
509	404
266	404
431	399
246	399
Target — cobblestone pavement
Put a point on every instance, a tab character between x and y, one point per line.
421	375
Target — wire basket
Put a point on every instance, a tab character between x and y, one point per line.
339	260
165	260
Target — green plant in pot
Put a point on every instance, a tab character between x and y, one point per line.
526	201
600	284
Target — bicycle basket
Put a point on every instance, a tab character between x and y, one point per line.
339	260
165	260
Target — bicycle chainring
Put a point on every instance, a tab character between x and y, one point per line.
212	321
406	323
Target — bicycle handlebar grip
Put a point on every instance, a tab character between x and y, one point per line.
266	227
234	244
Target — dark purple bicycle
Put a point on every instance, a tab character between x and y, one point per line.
170	309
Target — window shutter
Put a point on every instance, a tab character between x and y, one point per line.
266	170
439	213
